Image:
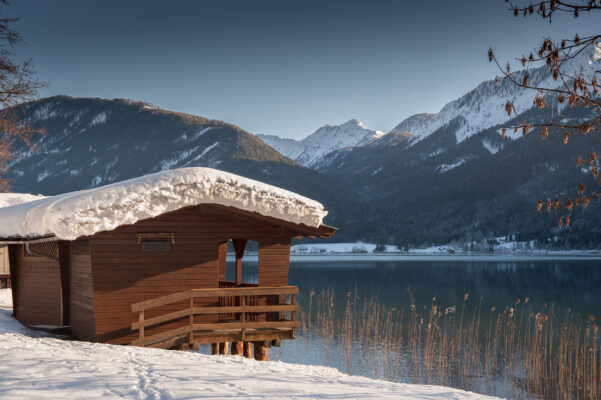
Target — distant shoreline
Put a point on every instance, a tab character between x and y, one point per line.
439	257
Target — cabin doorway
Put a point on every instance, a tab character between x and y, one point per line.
241	266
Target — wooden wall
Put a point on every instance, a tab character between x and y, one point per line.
122	274
36	285
81	293
4	266
274	261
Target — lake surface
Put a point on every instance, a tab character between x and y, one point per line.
573	283
564	284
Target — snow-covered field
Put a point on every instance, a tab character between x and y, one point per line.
37	366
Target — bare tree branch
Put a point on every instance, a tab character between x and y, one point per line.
18	84
576	90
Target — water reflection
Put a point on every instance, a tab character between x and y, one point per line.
574	284
563	284
566	283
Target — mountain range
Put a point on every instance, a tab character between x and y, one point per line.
432	179
325	140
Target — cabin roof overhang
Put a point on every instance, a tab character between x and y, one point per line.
27	239
79	214
322	231
293	230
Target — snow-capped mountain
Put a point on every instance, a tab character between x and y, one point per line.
484	106
434	178
326	139
450	175
91	142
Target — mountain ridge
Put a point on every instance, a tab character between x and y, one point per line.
328	138
91	142
433	179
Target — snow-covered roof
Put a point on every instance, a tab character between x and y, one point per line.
71	215
10	199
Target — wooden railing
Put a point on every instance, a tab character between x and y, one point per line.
237	304
228	301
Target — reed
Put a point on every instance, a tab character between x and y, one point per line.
517	351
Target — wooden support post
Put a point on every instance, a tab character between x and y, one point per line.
282	299
293	302
260	351
191	336
238	270
215	349
196	346
248	350
237	348
243	316
239	246
224	348
141	330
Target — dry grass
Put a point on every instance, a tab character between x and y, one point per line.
516	352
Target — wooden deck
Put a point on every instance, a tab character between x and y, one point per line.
243	315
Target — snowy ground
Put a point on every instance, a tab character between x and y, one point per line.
37	366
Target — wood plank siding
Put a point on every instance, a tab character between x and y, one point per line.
123	274
82	292
4	266
36	281
274	262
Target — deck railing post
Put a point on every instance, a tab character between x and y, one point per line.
293	302
243	314
191	336
243	303
141	330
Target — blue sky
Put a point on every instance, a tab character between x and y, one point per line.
278	67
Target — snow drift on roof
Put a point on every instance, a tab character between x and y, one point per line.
10	199
71	215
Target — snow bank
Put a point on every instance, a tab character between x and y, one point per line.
37	366
6	298
86	212
10	199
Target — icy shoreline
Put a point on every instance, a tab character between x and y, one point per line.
501	250
333	257
38	366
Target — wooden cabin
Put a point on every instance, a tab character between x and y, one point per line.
143	262
11	199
